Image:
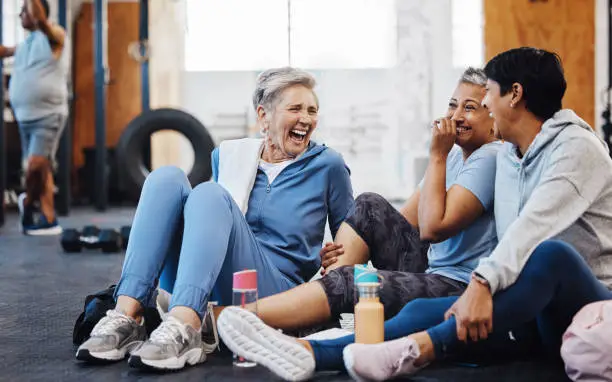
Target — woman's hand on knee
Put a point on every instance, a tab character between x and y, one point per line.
473	312
329	255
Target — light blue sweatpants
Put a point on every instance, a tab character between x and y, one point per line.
199	238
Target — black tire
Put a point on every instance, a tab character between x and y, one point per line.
138	132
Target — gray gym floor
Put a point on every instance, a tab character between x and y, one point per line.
42	291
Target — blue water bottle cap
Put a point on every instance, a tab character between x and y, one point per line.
362	274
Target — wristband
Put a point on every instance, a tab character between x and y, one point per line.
480	280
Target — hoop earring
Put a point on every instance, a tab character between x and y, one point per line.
264	130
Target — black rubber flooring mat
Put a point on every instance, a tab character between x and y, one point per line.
41	295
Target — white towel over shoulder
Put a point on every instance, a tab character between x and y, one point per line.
238	163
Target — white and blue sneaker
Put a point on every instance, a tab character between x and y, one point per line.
43	228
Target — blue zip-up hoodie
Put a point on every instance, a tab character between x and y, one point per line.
288	216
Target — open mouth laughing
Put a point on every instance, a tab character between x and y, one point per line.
463	129
298	135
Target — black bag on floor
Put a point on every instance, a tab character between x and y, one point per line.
95	308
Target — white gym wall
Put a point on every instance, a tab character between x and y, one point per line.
375	109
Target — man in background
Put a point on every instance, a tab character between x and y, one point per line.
38	93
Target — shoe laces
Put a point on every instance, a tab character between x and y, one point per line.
169	331
109	323
409	352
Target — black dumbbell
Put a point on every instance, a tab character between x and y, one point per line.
71	240
125	236
108	240
89	236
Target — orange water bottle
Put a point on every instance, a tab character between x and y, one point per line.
369	311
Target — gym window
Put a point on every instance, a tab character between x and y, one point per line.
12	32
225	35
468	33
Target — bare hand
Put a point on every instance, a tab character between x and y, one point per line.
329	255
443	136
473	312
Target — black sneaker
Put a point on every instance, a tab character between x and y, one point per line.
26	213
43	228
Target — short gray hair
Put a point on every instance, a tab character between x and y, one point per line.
272	82
474	76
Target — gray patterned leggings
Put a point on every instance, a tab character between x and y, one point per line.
397	253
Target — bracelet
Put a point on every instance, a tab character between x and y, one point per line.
480	280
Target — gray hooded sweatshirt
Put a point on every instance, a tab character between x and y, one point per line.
560	189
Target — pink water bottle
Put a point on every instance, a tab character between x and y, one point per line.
245	293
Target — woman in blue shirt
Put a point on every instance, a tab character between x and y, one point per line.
431	245
200	237
553	215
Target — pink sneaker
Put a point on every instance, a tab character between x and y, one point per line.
381	361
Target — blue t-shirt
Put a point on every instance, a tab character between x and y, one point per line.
458	256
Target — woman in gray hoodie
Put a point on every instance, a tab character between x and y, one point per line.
553	211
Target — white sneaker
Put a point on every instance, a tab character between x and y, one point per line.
210	336
171	346
113	337
246	335
210	333
163	302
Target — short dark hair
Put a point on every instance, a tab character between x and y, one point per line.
539	72
45	5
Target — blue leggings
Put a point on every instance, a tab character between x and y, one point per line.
553	286
199	238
